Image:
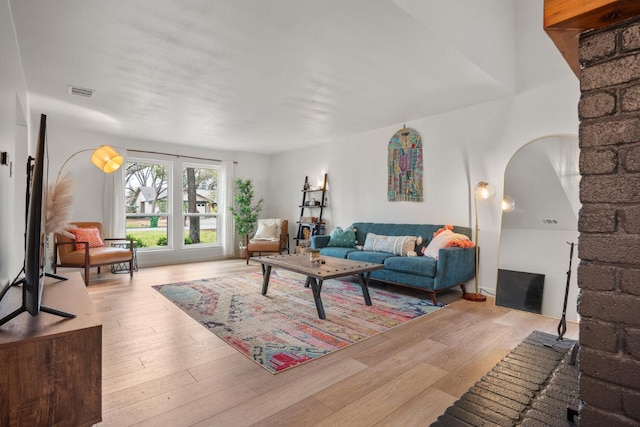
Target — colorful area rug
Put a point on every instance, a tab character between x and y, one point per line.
282	330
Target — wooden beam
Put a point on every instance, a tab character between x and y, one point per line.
564	20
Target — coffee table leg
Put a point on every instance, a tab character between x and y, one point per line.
364	283
266	273
316	287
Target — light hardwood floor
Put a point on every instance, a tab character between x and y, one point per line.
161	368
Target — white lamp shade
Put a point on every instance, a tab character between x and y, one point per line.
484	190
508	204
107	159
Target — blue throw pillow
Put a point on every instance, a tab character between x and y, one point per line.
343	238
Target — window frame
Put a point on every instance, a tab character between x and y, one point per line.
217	215
169	210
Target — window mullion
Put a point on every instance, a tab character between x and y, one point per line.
176	205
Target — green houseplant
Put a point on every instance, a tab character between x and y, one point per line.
245	213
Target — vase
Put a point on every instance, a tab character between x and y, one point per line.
243	252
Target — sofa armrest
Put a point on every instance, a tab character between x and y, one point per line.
455	266
319	241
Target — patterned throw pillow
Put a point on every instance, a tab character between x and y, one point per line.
91	235
343	238
397	245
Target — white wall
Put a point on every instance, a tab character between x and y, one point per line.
545	252
14	141
89	181
542	177
460	148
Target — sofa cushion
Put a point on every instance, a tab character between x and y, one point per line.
102	255
337	252
343	238
397	245
367	256
421	266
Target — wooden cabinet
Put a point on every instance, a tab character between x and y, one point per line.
50	367
312	207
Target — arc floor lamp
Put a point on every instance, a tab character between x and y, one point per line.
60	194
105	158
483	190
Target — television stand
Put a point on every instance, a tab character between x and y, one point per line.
55	276
43	309
23	307
51	369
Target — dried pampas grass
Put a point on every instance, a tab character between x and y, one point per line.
59	199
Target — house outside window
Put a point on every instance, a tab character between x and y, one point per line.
147	211
174	205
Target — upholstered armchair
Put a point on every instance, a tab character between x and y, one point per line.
89	249
272	236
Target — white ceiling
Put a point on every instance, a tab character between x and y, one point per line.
261	76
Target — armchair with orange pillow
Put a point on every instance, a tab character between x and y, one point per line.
89	249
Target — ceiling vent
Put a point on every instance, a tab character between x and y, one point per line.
80	91
548	221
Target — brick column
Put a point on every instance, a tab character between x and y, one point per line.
609	225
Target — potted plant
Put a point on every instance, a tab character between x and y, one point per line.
245	214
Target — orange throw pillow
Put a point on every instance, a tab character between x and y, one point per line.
91	235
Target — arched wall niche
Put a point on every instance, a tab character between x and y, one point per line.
543	179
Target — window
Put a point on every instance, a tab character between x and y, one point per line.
175	210
147	204
200	204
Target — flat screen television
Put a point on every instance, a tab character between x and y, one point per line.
34	257
34	251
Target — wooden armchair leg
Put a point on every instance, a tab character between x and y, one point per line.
86	275
131	268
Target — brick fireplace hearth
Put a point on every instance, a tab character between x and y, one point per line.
534	385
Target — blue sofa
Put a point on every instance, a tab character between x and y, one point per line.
454	265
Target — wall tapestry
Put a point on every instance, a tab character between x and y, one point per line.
405	167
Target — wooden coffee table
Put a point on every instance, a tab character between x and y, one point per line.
317	273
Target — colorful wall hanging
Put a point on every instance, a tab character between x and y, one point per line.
405	167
